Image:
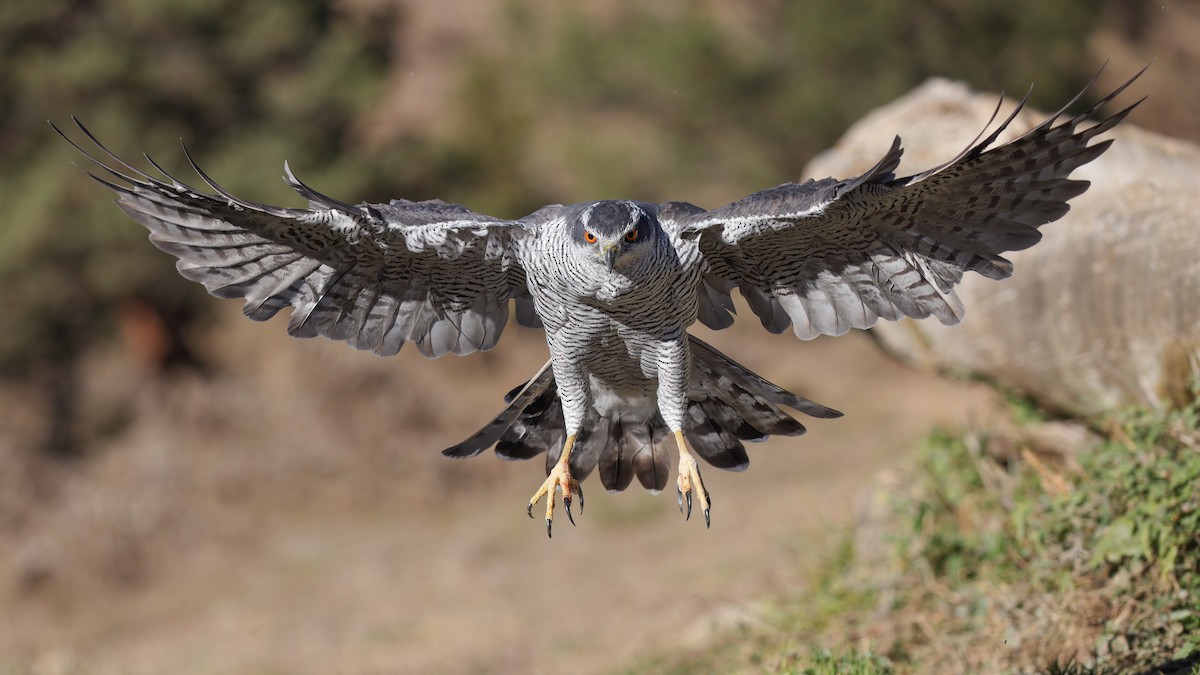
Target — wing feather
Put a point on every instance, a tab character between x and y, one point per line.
826	256
374	275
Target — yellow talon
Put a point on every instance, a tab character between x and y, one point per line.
689	481
560	478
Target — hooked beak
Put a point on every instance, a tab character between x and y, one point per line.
610	255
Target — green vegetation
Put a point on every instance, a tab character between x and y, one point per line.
1008	558
822	662
1110	571
659	103
236	80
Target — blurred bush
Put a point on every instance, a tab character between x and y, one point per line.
651	101
237	80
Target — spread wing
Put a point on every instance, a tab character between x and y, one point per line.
826	256
374	275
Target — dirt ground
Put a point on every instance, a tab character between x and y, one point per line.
289	513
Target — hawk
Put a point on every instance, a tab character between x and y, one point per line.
616	284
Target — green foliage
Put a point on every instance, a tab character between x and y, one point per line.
825	662
1151	517
1130	528
679	95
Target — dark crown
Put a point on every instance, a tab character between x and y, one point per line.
613	217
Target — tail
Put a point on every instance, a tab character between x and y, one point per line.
729	404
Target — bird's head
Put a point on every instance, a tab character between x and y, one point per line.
614	232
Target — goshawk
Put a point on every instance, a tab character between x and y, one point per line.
617	283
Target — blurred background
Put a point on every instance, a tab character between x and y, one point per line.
182	490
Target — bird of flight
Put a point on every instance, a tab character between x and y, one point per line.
616	284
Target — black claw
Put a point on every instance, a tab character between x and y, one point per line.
689	503
679	498
580	489
529	509
549	534
707	520
567	504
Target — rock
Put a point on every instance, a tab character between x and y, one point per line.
1105	311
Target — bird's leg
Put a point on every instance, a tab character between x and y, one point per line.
560	477
689	481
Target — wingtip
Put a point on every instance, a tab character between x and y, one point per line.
58	131
820	411
468	448
288	176
325	201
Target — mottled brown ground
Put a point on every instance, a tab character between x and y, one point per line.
290	513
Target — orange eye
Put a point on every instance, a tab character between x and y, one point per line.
589	237
631	235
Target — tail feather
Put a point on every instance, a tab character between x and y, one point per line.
730	418
537	429
707	424
731	405
616	461
491	433
704	352
649	459
742	403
